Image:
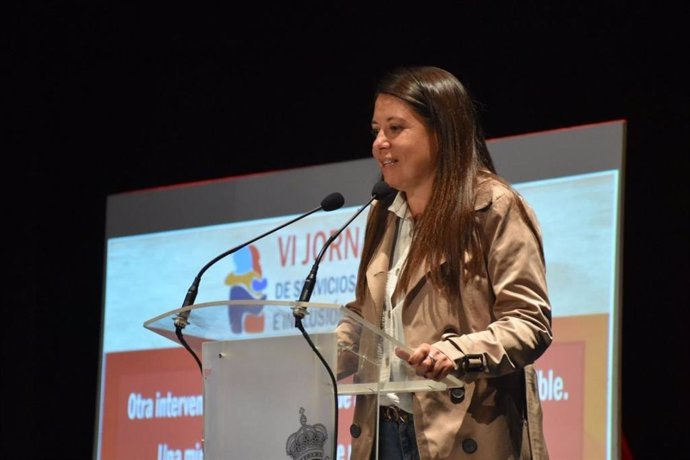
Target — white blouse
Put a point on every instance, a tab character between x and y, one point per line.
397	369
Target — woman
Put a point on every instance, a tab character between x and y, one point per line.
452	266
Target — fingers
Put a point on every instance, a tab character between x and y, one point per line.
402	354
438	369
433	369
428	362
420	355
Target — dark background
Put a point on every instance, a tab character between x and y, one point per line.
106	97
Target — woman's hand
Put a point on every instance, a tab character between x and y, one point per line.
428	362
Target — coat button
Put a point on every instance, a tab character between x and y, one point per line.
355	430
457	395
469	445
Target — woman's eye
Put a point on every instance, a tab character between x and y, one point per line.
374	132
395	128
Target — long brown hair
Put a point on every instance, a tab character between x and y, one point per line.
446	229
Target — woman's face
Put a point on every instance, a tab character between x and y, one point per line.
404	146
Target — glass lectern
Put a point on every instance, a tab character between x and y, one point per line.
272	395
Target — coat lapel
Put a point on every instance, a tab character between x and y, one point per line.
377	271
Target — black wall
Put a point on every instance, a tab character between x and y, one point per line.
105	97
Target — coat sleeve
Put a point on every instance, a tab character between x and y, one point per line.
520	327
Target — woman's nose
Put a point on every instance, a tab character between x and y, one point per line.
380	141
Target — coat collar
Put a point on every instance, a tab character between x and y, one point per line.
483	195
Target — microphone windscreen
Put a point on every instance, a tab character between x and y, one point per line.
381	190
332	202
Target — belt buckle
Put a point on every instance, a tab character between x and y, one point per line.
395	414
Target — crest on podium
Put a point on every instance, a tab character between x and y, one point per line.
307	442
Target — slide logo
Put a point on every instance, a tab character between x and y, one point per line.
246	283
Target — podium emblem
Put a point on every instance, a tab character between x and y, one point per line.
307	442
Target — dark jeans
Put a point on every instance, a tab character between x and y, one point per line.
397	440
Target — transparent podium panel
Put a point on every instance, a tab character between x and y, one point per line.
271	391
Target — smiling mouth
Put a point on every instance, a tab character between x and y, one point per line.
388	162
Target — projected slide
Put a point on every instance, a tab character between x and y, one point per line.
151	390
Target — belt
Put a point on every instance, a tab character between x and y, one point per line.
394	414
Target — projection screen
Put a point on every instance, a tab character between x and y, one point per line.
158	239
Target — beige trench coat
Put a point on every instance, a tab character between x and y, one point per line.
504	316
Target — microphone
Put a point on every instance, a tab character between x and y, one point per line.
329	203
381	190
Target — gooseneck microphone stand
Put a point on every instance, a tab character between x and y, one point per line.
380	190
